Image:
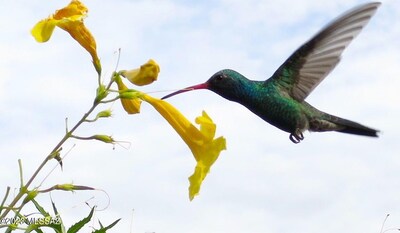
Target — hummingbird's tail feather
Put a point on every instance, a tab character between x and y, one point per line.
334	123
352	127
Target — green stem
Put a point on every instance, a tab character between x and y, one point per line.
110	100
91	120
21	175
5	198
68	134
48	157
63	140
82	138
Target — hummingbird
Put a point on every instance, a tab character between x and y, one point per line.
280	100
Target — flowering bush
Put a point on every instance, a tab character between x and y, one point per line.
201	141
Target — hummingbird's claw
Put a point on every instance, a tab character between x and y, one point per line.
296	137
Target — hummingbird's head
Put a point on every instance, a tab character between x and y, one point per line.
225	83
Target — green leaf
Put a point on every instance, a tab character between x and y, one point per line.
39	231
32	227
36	228
56	155
77	226
57	224
54	207
47	220
40	208
104	229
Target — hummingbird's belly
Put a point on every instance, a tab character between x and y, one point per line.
284	114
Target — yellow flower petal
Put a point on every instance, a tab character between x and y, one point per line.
43	29
207	127
70	19
188	132
75	10
145	75
82	35
206	155
201	142
131	106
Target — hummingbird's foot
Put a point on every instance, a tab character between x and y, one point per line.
296	137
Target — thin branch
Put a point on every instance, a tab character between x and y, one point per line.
55	166
119	56
67	135
48	157
5	198
21	175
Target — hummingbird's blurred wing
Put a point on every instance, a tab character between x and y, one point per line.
315	59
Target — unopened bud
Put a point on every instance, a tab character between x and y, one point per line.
104	114
130	94
101	93
30	196
103	138
71	187
145	75
131	106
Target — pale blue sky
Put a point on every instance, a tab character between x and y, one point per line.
330	182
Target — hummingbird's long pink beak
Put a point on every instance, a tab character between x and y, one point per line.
191	88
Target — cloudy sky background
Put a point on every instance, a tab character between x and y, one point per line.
330	182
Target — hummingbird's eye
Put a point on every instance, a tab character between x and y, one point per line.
221	77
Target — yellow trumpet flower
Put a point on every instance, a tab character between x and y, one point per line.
201	142
205	148
70	19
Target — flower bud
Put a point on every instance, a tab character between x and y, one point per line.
130	94
101	93
71	187
104	114
145	75
30	196
103	138
131	105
